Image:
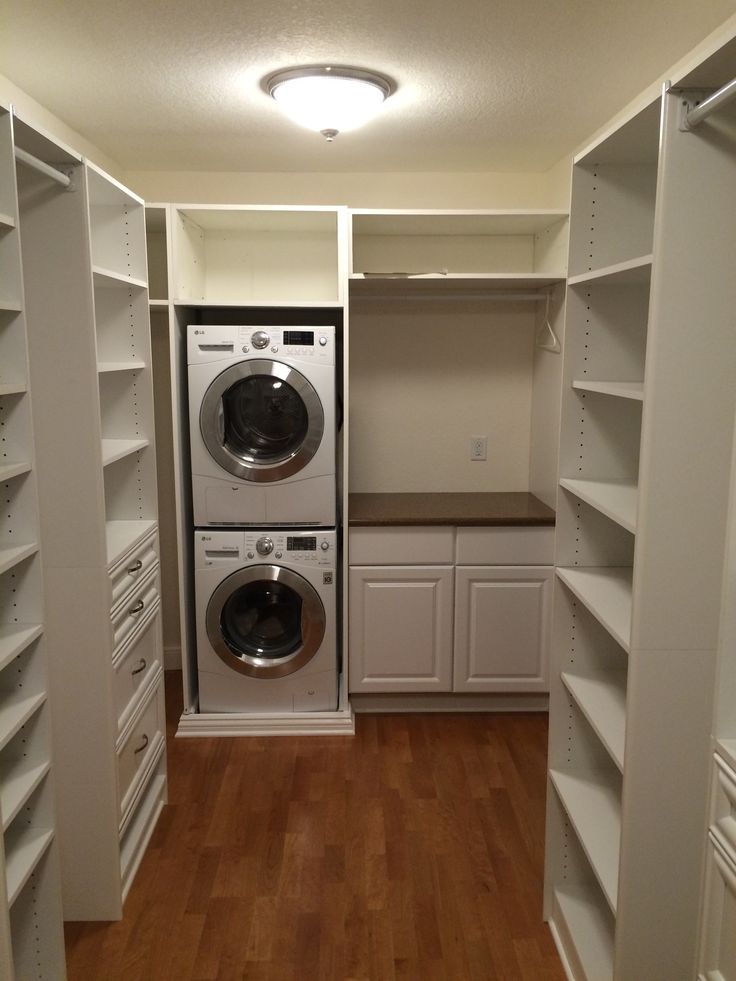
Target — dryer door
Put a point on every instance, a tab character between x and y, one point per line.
261	420
265	621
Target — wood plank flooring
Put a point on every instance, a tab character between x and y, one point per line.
410	852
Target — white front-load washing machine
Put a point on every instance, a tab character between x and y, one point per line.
266	620
262	417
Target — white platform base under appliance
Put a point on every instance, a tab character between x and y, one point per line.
340	723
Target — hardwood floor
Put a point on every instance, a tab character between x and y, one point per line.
411	852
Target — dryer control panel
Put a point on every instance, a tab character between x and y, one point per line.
274	546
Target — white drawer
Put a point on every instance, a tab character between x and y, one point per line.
724	805
718	949
507	545
136	668
129	617
133	568
139	749
423	545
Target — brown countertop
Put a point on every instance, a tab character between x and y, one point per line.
500	508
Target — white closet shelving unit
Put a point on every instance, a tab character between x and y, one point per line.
256	264
649	383
31	936
84	261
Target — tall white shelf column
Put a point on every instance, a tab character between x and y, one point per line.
648	402
84	256
31	937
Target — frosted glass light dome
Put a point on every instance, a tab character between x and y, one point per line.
328	99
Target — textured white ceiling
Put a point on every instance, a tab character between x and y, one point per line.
483	85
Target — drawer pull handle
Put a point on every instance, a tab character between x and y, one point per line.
136	567
141	667
136	608
144	743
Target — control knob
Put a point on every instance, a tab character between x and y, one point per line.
324	546
260	339
264	546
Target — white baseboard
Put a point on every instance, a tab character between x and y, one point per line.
420	702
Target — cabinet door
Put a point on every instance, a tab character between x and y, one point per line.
401	628
502	626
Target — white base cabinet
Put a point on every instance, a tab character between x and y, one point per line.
502	622
447	627
401	628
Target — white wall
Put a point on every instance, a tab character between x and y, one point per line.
423	381
395	190
34	113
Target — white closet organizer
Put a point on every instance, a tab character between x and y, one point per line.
647	417
31	937
245	264
84	261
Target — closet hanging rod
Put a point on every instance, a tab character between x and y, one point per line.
699	113
453	295
22	156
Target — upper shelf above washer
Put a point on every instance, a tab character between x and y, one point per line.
257	255
445	252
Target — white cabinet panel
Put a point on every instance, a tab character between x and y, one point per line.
502	628
401	628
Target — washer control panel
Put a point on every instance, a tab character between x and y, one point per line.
241	548
306	343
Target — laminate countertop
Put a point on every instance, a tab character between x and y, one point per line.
500	508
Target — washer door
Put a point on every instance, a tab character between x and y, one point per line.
265	621
261	420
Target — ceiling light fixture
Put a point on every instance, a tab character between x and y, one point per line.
330	99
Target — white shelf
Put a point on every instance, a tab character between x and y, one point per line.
622	390
23	853
274	302
15	712
10	557
631	271
606	592
6	221
617	499
603	703
123	535
594	809
103	367
589	929
18	780
13	388
158	304
108	278
15	638
116	449
391	284
12	306
9	470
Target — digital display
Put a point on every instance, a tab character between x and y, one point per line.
303	338
301	544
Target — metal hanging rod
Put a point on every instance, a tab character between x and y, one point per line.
43	168
696	116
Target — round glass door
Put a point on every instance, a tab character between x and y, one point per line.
261	420
265	621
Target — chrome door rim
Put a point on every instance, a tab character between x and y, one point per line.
313	623
250	469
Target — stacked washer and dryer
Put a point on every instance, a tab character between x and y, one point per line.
262	424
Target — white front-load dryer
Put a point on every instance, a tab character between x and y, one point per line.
266	614
262	417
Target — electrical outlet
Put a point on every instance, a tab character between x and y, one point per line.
478	447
